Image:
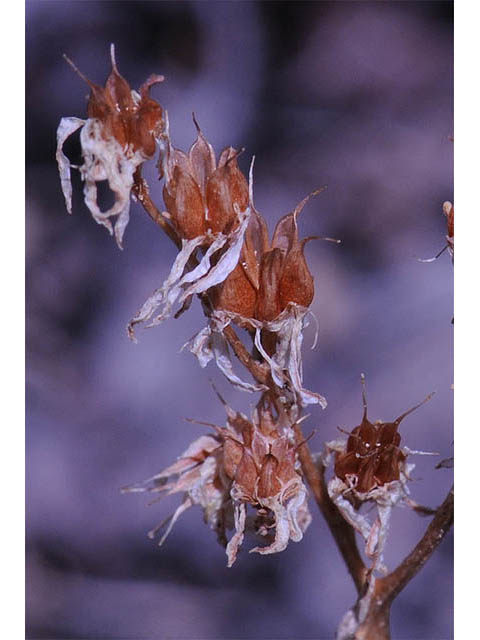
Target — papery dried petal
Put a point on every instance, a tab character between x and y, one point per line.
209	344
106	160
66	128
288	356
237	539
171	288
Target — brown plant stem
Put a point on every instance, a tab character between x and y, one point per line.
376	624
342	532
141	191
392	584
257	369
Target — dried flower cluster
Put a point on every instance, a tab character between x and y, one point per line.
120	133
249	475
245	463
370	467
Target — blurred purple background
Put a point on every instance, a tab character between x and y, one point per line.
357	96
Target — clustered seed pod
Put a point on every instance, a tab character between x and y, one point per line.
371	467
261	461
246	463
134	120
269	276
121	132
201	196
372	457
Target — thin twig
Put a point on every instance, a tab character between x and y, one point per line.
375	626
392	584
257	369
141	191
342	532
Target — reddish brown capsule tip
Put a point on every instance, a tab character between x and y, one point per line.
135	121
372	457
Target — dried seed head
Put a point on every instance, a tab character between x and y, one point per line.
239	466
119	135
372	457
200	196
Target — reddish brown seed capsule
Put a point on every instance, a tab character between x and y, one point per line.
372	457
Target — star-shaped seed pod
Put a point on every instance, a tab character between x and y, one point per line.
371	467
121	132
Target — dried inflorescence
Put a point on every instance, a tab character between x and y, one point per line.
370	466
209	207
245	463
200	196
121	132
227	259
269	276
268	293
225	256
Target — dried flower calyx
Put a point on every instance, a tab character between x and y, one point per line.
371	467
269	276
201	196
209	206
121	132
246	463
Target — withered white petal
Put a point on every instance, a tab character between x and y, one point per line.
237	538
200	278
186	504
209	344
223	360
105	159
288	356
66	128
282	528
159	295
294	512
228	260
